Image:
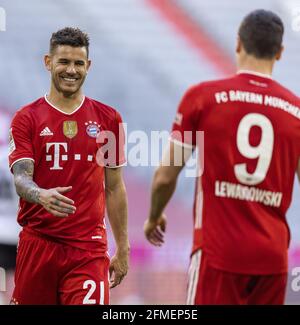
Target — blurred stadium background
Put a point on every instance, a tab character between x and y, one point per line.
145	54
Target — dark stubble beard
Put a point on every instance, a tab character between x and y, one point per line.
66	93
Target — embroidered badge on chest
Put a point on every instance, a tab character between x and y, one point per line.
70	129
92	129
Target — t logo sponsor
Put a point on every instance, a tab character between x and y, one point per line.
2	280
296	279
57	146
2	20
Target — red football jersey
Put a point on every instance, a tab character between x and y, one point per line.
64	149
251	130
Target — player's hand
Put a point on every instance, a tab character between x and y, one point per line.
154	231
56	203
118	268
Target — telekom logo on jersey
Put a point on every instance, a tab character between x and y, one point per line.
56	159
61	156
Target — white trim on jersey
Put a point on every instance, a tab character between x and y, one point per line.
193	277
117	165
25	158
76	109
199	205
183	144
255	73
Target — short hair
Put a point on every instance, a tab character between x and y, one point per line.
261	34
70	36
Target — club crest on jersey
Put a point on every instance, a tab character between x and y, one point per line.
92	129
70	129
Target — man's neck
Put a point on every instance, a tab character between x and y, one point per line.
67	104
258	66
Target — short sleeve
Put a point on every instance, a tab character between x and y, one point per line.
185	126
20	139
112	140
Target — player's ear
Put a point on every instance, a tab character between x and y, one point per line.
88	65
47	61
238	47
279	54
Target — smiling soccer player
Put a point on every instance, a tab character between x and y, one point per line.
62	254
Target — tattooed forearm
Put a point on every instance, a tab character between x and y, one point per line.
25	186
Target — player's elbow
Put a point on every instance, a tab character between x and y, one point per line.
163	179
113	189
21	185
17	185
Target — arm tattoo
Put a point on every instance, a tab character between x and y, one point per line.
25	186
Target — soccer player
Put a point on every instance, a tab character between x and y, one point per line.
251	127
63	186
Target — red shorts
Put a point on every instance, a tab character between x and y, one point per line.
210	286
52	273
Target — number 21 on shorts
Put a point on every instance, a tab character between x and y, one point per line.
91	286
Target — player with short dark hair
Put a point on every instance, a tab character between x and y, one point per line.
261	34
64	185
70	36
251	127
